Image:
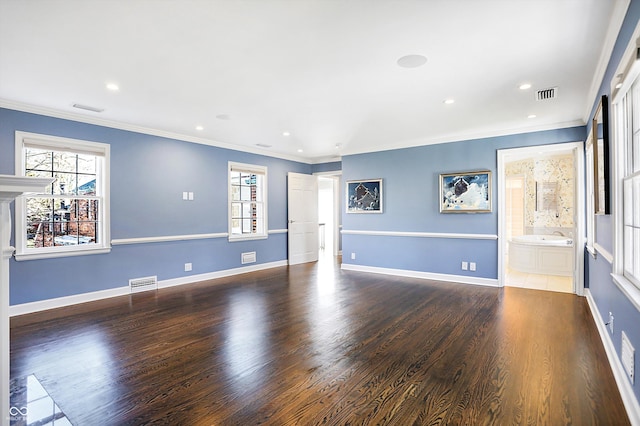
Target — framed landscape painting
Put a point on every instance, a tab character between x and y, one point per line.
467	192
364	196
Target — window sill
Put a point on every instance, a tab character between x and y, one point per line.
61	253
233	239
628	288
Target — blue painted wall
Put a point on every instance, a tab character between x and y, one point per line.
148	176
334	166
606	294
410	203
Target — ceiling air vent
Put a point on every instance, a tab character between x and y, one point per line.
88	108
546	94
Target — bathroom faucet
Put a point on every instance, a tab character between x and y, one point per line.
558	233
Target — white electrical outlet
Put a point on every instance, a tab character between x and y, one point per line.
188	267
472	266
465	266
185	196
190	196
353	256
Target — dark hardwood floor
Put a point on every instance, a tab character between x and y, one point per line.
312	344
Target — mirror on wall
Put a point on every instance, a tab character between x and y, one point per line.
600	135
547	196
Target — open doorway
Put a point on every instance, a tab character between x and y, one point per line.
541	217
329	214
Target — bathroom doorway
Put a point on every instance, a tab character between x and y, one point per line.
541	217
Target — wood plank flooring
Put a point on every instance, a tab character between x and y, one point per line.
311	344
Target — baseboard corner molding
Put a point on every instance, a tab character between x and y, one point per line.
459	279
61	302
626	390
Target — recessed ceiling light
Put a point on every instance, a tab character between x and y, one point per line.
449	101
525	86
286	134
531	116
223	116
113	87
199	128
300	150
412	61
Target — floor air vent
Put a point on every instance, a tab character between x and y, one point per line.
545	94
137	285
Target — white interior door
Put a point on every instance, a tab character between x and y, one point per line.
302	196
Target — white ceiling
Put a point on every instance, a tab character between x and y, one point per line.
323	70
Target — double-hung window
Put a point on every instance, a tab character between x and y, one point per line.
630	119
626	127
71	216
247	201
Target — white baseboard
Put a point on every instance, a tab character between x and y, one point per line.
424	275
219	274
625	388
60	302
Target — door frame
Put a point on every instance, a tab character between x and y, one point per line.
336	176
579	238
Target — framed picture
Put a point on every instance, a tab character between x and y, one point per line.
467	192
364	196
600	134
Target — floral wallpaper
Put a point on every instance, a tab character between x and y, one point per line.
547	171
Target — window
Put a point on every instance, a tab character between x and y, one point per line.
626	126
71	216
247	201
630	111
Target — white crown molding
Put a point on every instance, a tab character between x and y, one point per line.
470	136
615	23
456	137
51	112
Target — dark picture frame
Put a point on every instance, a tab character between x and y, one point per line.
600	135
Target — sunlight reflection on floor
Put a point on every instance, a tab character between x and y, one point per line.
30	404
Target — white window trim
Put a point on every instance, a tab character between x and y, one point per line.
75	145
262	170
627	72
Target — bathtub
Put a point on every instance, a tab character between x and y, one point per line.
542	254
